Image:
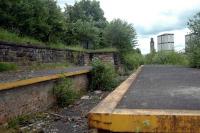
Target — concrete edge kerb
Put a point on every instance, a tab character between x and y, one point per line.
15	84
99	116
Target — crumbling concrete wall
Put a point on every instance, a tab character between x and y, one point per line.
33	98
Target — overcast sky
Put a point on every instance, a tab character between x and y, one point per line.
151	17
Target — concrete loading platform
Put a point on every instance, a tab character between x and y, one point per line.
153	99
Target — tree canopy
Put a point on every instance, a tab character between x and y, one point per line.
86	10
194	43
80	24
41	19
86	23
120	34
194	24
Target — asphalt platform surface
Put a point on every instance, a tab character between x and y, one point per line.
164	87
14	76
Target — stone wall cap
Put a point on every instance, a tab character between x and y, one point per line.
33	80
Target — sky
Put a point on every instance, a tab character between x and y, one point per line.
151	18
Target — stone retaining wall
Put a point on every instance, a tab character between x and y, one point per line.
26	54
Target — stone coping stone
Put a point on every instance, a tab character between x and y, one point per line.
21	75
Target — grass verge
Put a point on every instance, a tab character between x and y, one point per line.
7	36
102	50
13	37
46	66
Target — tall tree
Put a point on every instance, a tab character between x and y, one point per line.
194	42
86	23
7	13
41	19
86	10
121	35
86	33
194	24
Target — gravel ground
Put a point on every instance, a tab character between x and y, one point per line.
164	87
19	75
71	119
77	114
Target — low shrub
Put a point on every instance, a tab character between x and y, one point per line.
4	66
170	58
65	92
149	58
132	60
19	121
23	120
103	76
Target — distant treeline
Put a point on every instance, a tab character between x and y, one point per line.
81	24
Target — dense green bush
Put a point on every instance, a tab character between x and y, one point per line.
193	52
7	66
149	58
103	76
132	60
65	92
168	58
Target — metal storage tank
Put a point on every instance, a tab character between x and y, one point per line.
165	42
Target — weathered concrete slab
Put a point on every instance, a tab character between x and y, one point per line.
164	87
36	94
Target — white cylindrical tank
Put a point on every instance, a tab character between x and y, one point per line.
165	42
